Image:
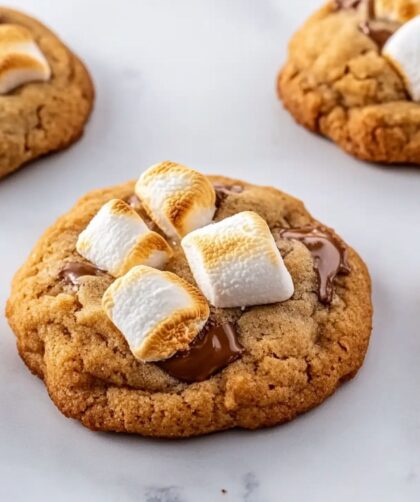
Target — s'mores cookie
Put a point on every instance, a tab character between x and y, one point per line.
46	92
255	312
352	75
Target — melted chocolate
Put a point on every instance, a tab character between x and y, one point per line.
214	348
133	201
227	189
377	30
328	252
347	4
222	191
378	34
72	271
355	4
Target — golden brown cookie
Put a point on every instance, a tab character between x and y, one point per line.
336	82
287	357
40	117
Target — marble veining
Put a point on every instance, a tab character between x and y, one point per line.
251	487
163	494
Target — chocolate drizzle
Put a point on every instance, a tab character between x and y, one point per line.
72	271
213	349
328	252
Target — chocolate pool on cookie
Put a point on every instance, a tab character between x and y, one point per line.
185	304
352	75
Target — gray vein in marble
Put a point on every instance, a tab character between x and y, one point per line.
163	494
251	487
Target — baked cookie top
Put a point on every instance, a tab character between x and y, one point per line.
350	75
46	92
261	364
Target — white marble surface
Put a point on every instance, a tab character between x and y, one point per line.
193	81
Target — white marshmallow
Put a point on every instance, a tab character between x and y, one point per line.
399	11
157	312
176	198
117	239
21	60
403	51
236	262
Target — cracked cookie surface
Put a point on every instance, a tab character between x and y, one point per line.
336	83
41	117
296	353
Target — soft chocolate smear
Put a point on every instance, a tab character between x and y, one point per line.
213	349
228	189
370	9
133	201
72	271
328	252
369	6
376	31
222	191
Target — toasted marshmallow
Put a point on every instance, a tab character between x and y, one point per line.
236	262
176	198
399	11
157	312
117	239
21	60
403	51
